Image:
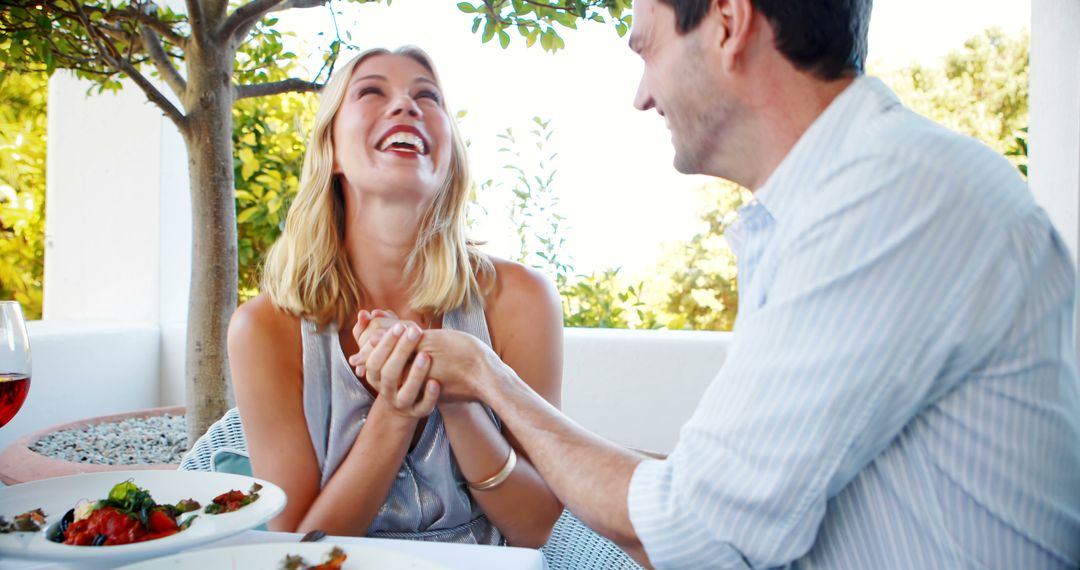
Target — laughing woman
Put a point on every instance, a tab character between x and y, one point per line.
379	222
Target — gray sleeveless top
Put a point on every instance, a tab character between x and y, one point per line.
429	499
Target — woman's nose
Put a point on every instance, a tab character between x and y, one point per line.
404	105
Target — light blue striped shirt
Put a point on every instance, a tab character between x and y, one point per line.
902	388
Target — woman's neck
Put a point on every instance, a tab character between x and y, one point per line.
380	235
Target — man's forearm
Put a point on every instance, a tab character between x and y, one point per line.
589	474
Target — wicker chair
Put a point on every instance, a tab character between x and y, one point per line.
572	546
226	433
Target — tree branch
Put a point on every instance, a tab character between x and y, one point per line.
243	19
276	88
108	54
239	23
196	20
153	94
162	28
161	61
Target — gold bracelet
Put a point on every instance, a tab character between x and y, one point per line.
498	478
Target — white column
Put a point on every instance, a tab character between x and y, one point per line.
118	220
1055	113
1054	134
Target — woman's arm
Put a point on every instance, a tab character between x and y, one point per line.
266	360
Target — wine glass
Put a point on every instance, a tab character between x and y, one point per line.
14	360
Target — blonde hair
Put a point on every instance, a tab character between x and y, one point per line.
307	272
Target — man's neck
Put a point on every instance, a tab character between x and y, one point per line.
787	109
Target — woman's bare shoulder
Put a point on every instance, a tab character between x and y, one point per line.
522	299
259	325
516	284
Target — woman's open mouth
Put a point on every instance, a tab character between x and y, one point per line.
403	140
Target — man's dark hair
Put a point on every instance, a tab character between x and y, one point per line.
824	37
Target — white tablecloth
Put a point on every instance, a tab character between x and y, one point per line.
454	556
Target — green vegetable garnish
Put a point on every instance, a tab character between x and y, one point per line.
132	500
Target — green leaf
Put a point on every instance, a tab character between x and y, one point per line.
247	214
466	7
489	30
121	491
504	39
249	165
567	20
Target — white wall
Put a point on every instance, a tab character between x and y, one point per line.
175	264
118	220
101	246
84	369
637	388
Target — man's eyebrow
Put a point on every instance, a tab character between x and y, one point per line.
426	80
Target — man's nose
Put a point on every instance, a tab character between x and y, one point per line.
643	99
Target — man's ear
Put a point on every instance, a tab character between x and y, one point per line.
735	20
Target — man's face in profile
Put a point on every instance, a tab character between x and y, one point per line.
681	83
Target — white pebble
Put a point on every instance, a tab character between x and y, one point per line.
134	441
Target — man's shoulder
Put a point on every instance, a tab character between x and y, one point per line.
910	154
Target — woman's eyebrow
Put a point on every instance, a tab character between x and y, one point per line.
372	76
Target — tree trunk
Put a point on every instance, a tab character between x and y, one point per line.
213	291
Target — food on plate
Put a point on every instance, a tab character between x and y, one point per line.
232	501
30	521
334	559
128	515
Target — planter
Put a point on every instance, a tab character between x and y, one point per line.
19	464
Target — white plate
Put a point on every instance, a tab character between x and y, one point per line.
271	555
56	496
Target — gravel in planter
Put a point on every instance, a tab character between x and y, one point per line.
134	441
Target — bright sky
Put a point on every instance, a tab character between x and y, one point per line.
616	186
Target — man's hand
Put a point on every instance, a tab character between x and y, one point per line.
460	362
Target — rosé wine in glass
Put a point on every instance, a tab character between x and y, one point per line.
14	360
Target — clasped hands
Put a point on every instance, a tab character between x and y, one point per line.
412	369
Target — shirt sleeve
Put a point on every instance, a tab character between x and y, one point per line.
874	308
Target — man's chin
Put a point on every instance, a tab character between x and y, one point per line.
685	164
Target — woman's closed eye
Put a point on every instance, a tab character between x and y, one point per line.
369	90
428	94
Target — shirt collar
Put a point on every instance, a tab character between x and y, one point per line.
821	143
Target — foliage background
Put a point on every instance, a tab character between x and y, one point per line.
23	99
980	89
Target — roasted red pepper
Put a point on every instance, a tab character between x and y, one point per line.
117	527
